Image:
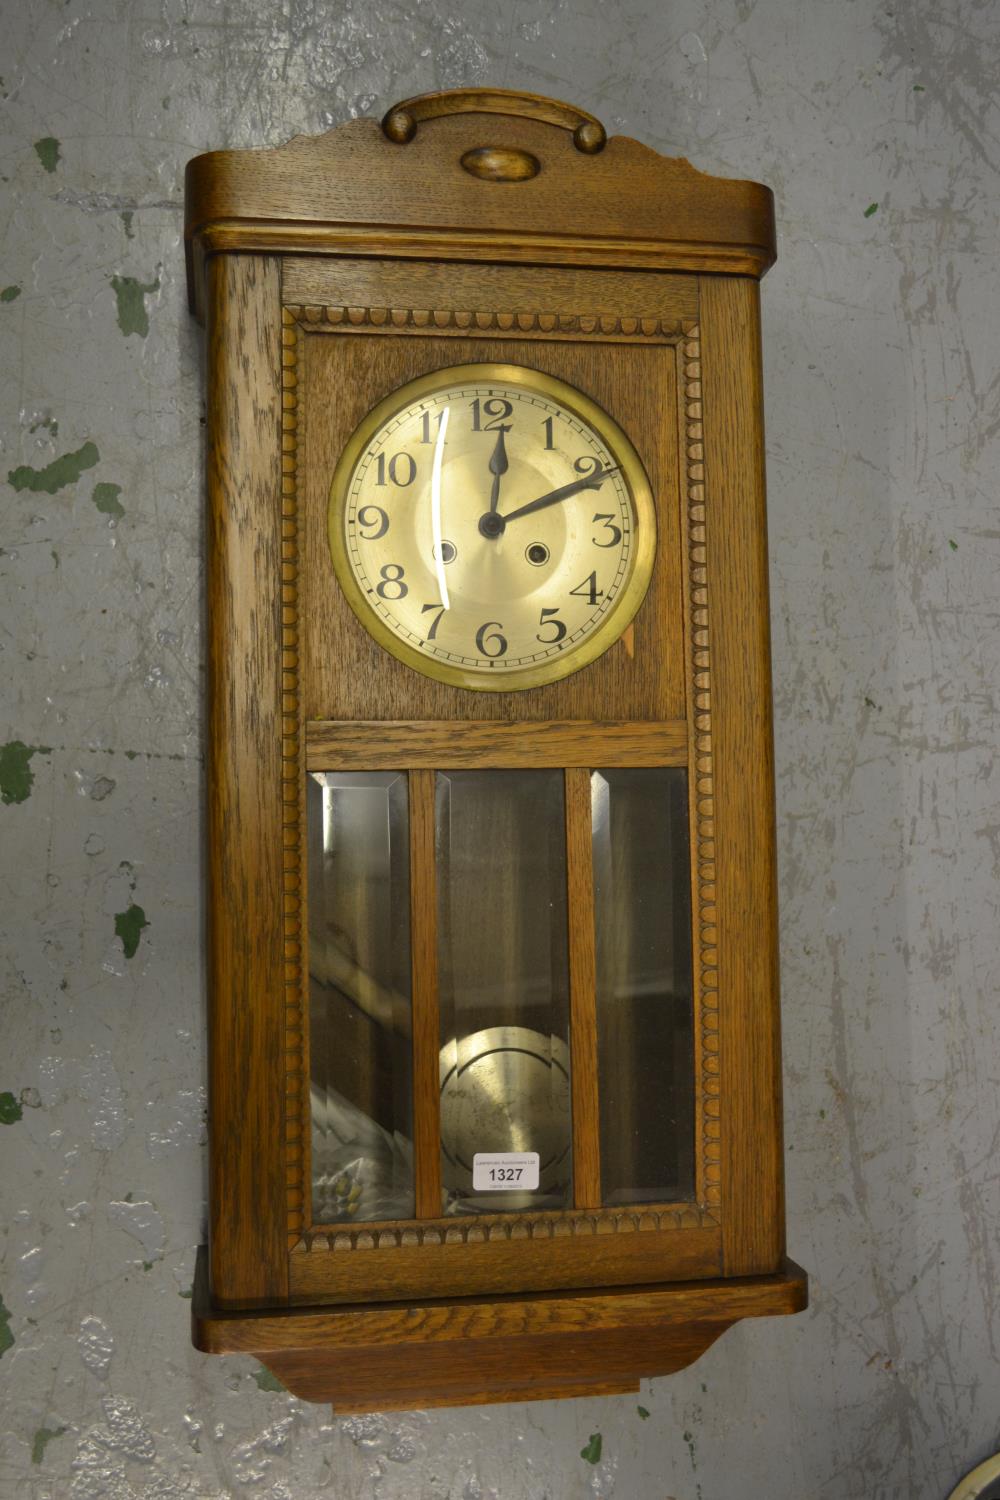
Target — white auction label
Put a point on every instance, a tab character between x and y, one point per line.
504	1173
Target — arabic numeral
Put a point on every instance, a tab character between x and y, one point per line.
588	589
608	522
425	425
548	425
548	618
436	620
372	515
392	579
401	468
496	411
496	642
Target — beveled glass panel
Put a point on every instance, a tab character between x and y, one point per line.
642	907
360	997
503	983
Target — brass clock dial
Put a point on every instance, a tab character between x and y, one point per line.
492	527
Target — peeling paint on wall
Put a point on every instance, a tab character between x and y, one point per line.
58	474
10	1108
591	1451
47	151
16	775
41	1440
131	294
6	1337
105	497
129	926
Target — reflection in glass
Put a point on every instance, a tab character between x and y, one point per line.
503	982
642	905
360	998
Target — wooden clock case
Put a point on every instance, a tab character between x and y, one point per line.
471	227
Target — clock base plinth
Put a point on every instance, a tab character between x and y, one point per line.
472	1351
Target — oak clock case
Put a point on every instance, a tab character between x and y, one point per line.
495	1107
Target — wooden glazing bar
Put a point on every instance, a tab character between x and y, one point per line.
582	991
429	744
426	1025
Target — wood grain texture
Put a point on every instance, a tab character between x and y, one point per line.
450	1321
620	1252
373	745
521	1369
400	123
426	1019
353	191
743	779
350	676
475	1350
582	991
411	295
244	814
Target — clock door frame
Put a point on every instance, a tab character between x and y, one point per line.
264	732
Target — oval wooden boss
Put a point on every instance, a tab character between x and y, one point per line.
501	163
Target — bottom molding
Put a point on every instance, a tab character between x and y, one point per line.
471	1350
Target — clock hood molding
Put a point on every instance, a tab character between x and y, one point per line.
357	191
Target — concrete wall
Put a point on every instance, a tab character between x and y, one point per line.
878	127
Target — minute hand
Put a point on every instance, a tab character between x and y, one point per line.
592	482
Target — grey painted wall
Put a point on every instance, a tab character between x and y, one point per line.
878	127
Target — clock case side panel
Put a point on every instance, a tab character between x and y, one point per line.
251	881
740	809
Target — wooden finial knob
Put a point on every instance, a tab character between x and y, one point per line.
400	126
590	136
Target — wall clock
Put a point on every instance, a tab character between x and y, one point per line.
495	1107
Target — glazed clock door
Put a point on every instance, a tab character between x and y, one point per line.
503	1052
512	958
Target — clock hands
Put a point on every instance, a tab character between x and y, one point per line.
592	482
492	524
498	467
436	508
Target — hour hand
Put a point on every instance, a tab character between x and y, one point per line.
498	468
591	482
